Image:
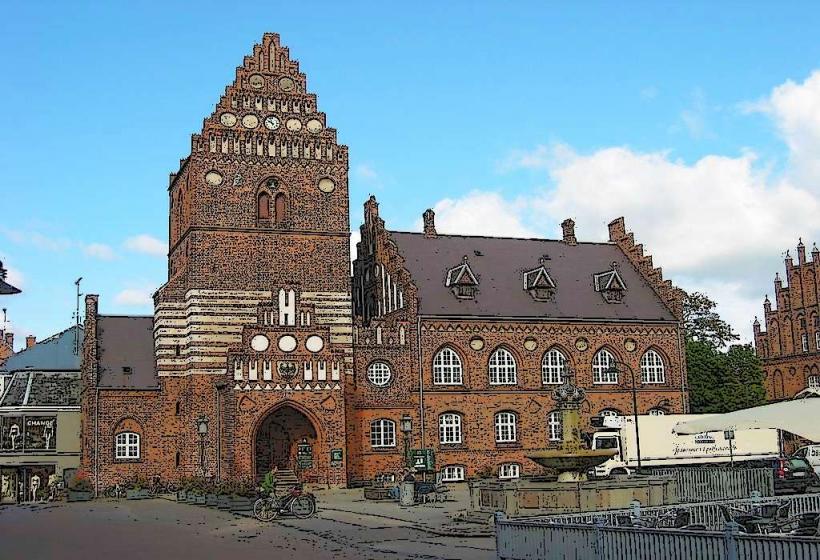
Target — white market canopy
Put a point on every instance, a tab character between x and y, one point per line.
800	417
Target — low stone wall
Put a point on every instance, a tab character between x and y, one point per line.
527	497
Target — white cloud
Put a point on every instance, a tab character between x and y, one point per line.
38	240
135	297
649	93
355	237
99	251
367	174
15	277
480	213
147	244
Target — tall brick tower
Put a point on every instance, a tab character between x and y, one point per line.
253	327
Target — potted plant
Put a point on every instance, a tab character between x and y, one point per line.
224	491
244	494
80	488
182	491
136	489
192	488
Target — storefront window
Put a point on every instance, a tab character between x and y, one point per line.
28	433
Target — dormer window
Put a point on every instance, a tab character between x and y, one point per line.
610	285
539	284
461	281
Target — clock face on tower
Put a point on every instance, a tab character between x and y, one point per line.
294	125
271	123
228	119
250	121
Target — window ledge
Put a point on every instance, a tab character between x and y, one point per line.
508	444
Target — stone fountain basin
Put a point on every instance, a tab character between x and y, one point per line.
579	460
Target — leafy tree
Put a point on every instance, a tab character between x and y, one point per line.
718	381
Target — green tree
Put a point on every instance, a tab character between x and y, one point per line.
719	381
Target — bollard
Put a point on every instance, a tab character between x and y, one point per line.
730	531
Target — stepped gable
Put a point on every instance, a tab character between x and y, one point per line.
499	264
268	112
671	296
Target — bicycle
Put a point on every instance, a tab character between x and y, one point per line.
297	503
115	491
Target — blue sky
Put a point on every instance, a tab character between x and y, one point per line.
696	121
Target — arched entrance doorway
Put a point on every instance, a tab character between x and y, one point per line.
287	439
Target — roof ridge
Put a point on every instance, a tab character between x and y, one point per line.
440	235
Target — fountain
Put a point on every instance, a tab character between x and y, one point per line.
572	460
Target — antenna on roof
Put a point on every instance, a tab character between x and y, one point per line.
77	319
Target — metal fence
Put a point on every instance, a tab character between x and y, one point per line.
531	540
711	484
706	513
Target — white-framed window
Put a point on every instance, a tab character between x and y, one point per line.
656	412
556	430
506	427
453	473
610	412
379	374
509	470
553	367
804	339
447	368
127	446
383	433
652	368
449	428
603	367
813	381
502	368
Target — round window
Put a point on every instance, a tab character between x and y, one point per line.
379	374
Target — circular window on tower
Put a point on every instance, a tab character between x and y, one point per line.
379	374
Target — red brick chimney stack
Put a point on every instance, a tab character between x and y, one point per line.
10	339
568	227
429	218
31	340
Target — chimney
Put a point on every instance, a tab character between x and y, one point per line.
801	252
568	227
617	229
10	339
31	340
429	218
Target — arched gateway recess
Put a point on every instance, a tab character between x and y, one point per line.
287	439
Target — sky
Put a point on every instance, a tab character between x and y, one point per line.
699	122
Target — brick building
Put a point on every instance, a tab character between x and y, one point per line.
249	362
789	342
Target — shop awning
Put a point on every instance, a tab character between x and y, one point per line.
799	417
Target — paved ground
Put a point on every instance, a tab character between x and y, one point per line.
125	530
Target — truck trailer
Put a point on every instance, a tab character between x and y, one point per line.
661	448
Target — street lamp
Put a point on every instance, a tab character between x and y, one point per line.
406	427
614	369
202	429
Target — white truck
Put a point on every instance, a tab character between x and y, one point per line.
660	448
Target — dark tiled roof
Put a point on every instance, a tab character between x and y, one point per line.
55	353
126	342
499	264
43	388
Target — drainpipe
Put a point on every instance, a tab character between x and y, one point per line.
219	386
96	439
421	379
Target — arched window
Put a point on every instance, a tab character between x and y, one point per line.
127	446
379	374
553	367
610	412
263	206
506	427
449	428
556	430
383	433
603	367
447	368
652	368
279	208
657	412
502	368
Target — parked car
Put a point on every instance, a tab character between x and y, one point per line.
791	474
810	453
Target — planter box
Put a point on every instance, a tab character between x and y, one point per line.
182	495
137	494
79	496
210	500
190	498
223	501
199	500
241	503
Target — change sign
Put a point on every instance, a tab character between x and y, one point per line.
422	460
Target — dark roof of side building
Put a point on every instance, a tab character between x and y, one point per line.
56	353
42	388
126	351
499	264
